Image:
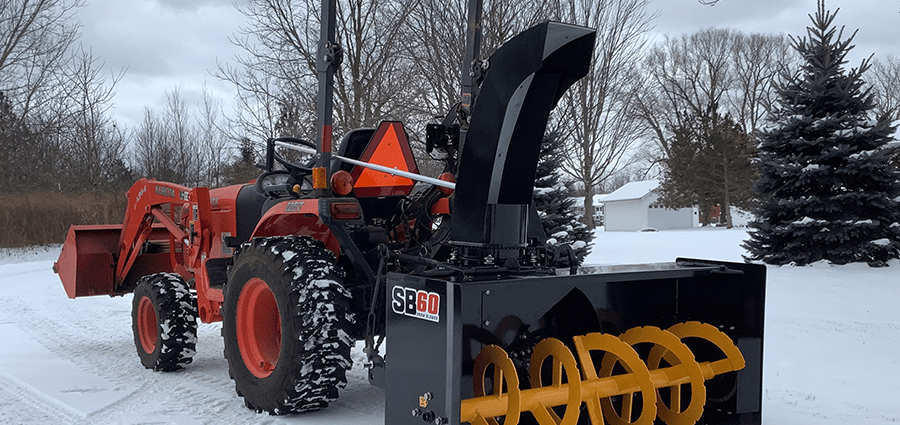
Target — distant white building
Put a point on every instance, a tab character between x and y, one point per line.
635	207
578	208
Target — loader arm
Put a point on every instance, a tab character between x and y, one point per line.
166	229
138	223
147	199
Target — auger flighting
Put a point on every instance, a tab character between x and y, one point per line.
669	365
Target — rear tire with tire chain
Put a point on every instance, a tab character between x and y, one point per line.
164	322
286	323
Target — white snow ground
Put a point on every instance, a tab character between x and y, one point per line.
831	347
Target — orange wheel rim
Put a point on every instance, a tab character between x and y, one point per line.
258	327
147	325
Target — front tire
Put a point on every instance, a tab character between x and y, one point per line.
164	322
285	326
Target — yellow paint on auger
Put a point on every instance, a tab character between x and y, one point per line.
595	388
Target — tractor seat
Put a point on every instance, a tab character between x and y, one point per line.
352	146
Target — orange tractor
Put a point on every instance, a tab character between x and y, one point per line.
453	272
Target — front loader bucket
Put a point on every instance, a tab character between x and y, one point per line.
86	266
87	262
681	343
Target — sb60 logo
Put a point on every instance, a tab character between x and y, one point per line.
415	303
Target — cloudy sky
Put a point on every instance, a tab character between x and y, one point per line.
164	44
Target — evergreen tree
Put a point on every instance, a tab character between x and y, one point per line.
828	189
708	163
243	168
554	203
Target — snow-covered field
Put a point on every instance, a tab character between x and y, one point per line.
832	347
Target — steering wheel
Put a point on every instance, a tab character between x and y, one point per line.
290	166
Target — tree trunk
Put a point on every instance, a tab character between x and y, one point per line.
726	206
589	205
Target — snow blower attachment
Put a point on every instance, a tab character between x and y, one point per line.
453	273
677	342
506	336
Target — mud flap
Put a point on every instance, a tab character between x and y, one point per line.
436	329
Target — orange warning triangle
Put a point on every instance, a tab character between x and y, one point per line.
389	147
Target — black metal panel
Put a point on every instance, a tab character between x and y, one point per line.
423	356
526	78
248	210
497	311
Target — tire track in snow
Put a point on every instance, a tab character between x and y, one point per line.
19	405
95	335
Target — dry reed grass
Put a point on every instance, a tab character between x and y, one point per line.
44	218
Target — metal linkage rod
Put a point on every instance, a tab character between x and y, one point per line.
376	167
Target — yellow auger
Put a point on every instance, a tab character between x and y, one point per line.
669	364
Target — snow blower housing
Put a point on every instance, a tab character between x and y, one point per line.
453	273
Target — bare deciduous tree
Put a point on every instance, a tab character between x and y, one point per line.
151	150
596	115
699	79
212	140
182	139
94	146
35	37
884	78
504	19
434	49
720	67
278	65
372	84
760	61
435	46
61	102
185	143
278	70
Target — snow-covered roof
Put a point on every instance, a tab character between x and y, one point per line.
632	191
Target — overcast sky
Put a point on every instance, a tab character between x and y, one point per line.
163	44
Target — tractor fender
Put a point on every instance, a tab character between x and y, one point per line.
309	217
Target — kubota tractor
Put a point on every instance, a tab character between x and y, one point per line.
454	273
